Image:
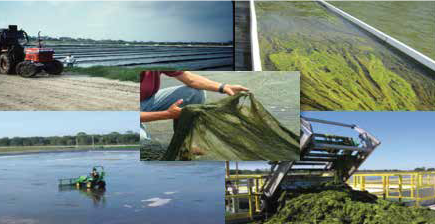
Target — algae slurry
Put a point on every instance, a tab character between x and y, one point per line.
29	62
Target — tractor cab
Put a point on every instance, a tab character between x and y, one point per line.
11	37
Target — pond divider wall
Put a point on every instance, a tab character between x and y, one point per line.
419	57
255	46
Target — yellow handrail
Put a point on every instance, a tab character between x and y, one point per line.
389	185
397	185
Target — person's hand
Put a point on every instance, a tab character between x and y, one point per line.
174	110
234	89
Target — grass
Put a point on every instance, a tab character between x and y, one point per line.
113	72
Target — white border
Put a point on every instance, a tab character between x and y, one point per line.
255	47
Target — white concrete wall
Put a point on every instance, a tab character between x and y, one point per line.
255	46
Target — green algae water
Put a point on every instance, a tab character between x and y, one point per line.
342	67
412	23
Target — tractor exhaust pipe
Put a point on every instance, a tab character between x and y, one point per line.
39	40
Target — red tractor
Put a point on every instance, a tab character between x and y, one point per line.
28	62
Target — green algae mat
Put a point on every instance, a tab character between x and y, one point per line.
277	91
342	67
411	22
332	203
235	128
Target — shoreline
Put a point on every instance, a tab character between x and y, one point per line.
68	149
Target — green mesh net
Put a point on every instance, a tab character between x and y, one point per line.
235	128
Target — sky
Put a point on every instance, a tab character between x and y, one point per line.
250	165
407	138
123	20
60	123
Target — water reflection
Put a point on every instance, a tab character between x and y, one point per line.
97	195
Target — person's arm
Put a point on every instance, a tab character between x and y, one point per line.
173	112
200	82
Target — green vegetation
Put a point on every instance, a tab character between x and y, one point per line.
338	203
110	72
424	169
80	139
341	67
61	147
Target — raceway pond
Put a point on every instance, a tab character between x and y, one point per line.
342	67
413	22
136	192
189	57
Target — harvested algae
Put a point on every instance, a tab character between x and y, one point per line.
338	203
235	128
342	67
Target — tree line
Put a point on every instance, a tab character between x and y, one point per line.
265	171
109	41
81	138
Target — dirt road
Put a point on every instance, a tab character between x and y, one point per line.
67	92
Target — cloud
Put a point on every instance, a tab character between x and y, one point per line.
149	20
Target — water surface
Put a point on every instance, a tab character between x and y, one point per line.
188	57
136	192
412	23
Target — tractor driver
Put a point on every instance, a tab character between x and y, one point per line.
165	104
95	175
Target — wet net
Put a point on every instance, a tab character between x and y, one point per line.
235	128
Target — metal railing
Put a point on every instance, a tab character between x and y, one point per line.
413	187
416	188
247	193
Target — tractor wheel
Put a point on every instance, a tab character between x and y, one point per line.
102	185
6	66
54	68
27	69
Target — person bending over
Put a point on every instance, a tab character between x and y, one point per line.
165	104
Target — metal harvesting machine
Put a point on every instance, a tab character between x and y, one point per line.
322	156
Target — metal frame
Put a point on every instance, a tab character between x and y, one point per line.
312	150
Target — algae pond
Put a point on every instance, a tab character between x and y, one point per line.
189	57
342	67
136	192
